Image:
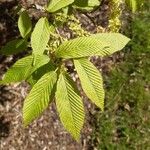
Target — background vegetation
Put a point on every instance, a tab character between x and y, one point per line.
126	121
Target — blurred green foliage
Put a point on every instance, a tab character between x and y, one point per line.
125	124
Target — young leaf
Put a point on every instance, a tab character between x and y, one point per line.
39	97
55	5
91	81
116	42
24	24
40	36
69	105
37	74
14	47
80	47
23	68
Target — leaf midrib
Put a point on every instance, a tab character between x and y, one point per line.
70	105
44	24
90	81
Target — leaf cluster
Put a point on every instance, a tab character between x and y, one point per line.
44	69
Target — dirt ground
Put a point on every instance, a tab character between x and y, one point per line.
46	133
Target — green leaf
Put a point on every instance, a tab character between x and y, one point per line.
39	97
91	81
23	68
101	44
116	42
24	24
80	47
69	105
40	36
36	75
86	4
55	5
93	3
14	47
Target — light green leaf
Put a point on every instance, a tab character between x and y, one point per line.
40	36
37	74
69	105
80	47
101	44
24	24
86	4
14	47
91	81
55	5
39	97
116	42
23	68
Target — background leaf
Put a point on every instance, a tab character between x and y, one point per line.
24	24
55	5
86	4
91	81
40	36
134	4
39	97
23	68
69	105
14	47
